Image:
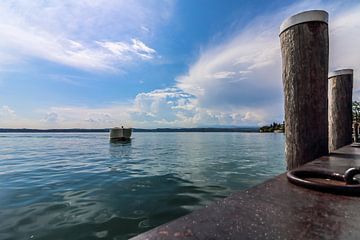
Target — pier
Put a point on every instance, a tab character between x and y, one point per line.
316	121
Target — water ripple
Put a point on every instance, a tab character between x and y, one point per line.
80	186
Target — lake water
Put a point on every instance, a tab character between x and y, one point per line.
80	186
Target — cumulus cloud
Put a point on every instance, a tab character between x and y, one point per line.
163	107
80	34
173	107
169	107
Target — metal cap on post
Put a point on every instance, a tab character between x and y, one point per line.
305	56
304	17
341	72
340	108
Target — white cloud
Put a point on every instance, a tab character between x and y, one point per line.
23	44
172	107
345	42
127	51
169	107
51	117
6	112
140	47
161	105
221	75
238	82
118	48
67	32
86	117
7	116
243	74
100	119
145	29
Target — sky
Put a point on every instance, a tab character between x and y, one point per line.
154	63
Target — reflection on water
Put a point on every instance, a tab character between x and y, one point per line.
120	149
120	142
80	186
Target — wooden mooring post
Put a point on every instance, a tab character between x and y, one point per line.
340	108
356	132
305	55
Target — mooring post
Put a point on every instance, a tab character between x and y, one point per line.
340	108
305	54
356	132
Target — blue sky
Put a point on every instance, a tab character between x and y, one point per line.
103	63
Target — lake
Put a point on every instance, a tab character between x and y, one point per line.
81	186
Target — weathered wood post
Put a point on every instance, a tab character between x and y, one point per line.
356	132
305	55
340	108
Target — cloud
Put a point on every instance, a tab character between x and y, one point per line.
6	112
86	117
80	34
127	51
100	119
169	107
173	107
43	45
51	117
239	80
344	42
24	44
7	116
162	107
228	75
145	29
243	73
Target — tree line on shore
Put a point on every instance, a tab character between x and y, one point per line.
274	127
356	111
280	127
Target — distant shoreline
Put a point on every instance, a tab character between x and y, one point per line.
79	130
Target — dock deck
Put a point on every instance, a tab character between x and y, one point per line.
275	209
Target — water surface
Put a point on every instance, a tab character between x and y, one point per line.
80	186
